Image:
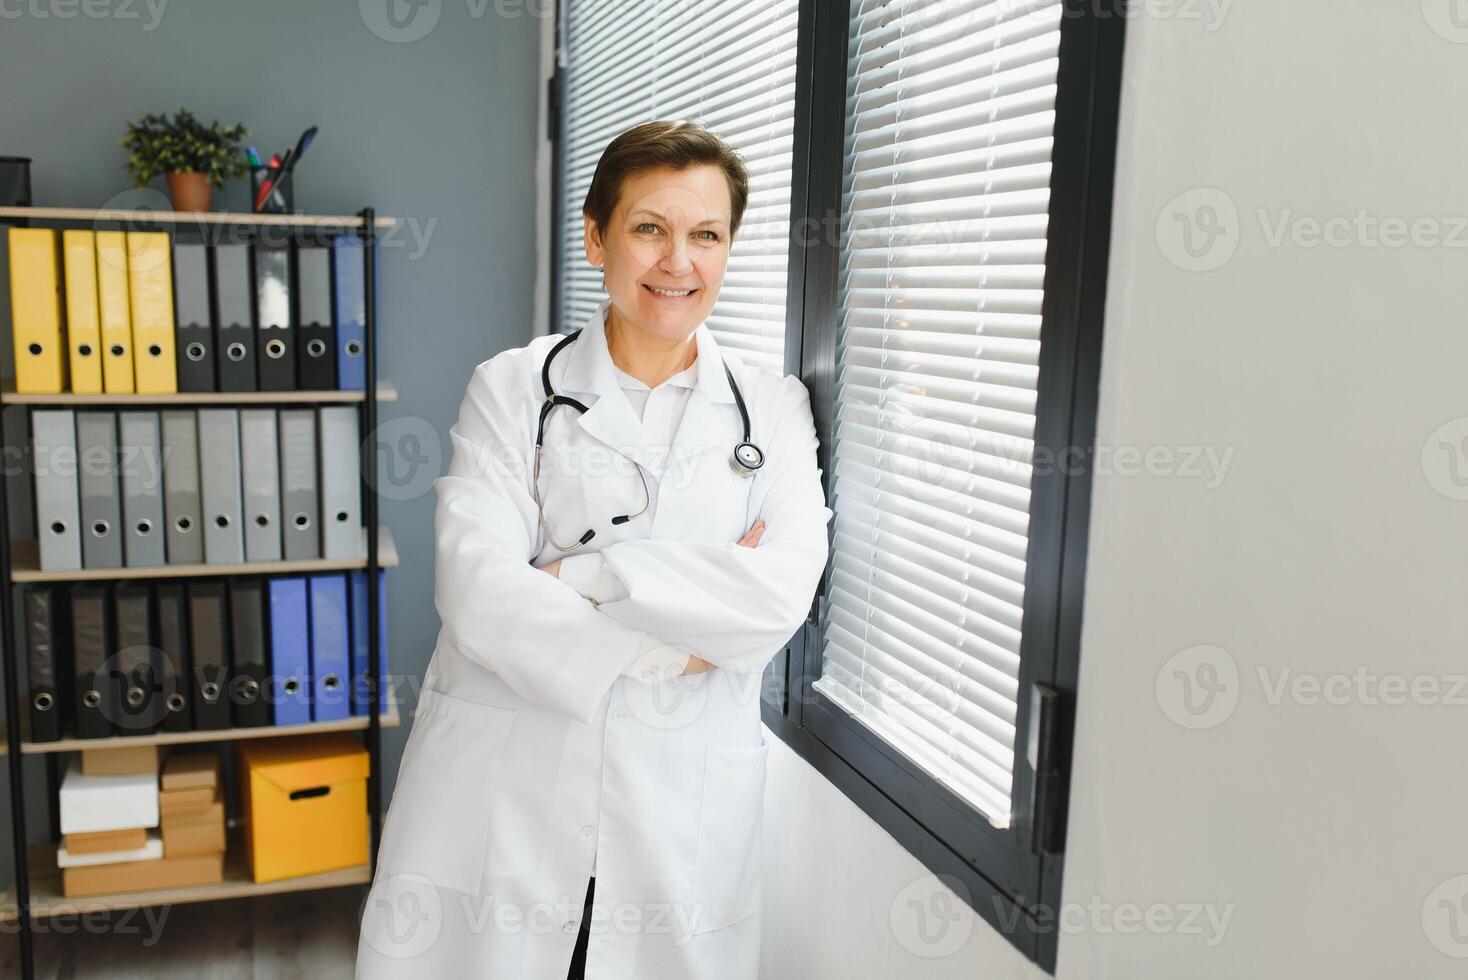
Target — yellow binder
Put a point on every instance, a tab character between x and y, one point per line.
150	281
113	314
83	332
35	305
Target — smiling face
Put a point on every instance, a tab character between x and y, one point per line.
665	249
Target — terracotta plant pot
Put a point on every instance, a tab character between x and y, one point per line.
190	191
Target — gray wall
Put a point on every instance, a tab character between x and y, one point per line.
440	132
1326	823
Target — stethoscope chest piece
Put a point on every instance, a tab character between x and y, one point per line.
746	459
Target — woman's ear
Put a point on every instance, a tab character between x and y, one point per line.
592	240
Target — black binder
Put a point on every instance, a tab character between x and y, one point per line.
47	650
209	650
247	631
275	341
174	677
136	669
235	336
194	315
92	645
315	331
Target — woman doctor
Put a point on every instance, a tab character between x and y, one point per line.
609	602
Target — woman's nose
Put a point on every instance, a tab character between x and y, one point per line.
675	258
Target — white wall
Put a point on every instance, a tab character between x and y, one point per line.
1328	834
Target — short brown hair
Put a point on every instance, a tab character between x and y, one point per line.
676	143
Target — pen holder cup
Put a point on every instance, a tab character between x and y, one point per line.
280	200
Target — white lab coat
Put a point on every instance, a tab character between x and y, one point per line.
530	751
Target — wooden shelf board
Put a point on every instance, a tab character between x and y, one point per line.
193	217
356	723
47	900
25	565
386	392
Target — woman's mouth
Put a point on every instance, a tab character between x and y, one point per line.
670	295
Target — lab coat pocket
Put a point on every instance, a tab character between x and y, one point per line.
727	868
438	823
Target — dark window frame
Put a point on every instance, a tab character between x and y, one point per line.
1012	883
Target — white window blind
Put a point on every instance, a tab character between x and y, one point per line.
950	114
726	64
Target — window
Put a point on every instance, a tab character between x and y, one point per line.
730	65
948	200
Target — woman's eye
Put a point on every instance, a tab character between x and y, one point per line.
713	236
647	228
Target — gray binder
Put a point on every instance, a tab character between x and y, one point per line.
96	449
140	462
260	479
219	477
58	509
341	483
233	283
181	504
299	506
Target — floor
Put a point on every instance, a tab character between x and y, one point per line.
297	935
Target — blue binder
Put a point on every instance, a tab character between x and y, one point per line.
350	300
290	650
330	660
360	703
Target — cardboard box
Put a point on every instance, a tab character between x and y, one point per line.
130	760
107	840
90	804
152	850
194	834
191	770
303	802
172	801
134	876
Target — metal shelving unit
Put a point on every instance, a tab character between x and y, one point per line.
38	895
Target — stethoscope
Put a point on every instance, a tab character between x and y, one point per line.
746	459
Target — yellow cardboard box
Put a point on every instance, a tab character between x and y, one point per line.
303	802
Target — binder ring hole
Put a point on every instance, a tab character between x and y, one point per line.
222	520
210	690
34	348
303	521
58	527
117	350
354	348
92	698
155	350
175	702
262	520
194	351
134	696
316	347
235	351
250	689
292	686
144	526
184	523
275	348
331	682
43	701
85	350
100	528
341	516
303	794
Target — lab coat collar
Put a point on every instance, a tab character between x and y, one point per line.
589	367
611	419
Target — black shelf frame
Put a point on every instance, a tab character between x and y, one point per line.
208	226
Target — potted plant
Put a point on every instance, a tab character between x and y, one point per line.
191	155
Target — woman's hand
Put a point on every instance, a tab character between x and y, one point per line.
696	664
